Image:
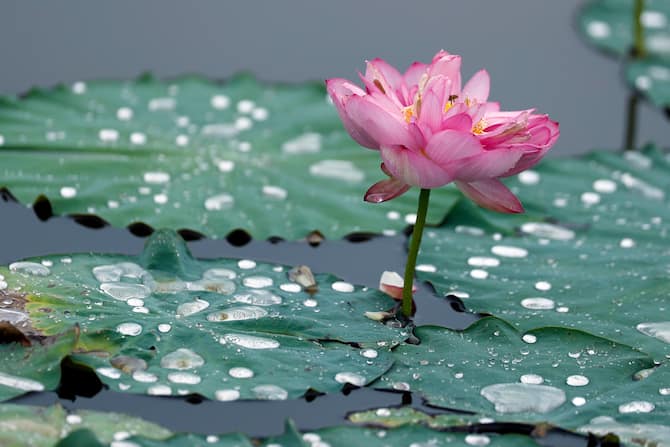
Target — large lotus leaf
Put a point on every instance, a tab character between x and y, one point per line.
30	363
608	25
601	266
273	159
22	425
165	323
652	78
543	375
415	435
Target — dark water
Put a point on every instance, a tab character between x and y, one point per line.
23	234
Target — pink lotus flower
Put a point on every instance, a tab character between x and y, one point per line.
431	132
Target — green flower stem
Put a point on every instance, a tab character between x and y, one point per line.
417	233
639	51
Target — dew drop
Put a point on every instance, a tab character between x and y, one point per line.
522	397
220	102
240	372
111	373
73	419
472	231
144	377
161	199
165	103
184	378
275	192
369	353
310	302
219	273
219	202
192	307
590	198
257	282
181	359
159	390
130	329
246	264
598	29
479	274
627	243
427	268
350	377
341	286
506	251
20	383
482	261
529	177
659	330
108	135
543	286
237	314
290	287
537	303
270	392
577	380
604	186
79	88
123	291
138	138
29	268
578	401
532	379
547	230
226	165
68	192
636	406
308	143
393	215
258	297
226	395
164	328
529	338
249	341
260	114
124	113
477	439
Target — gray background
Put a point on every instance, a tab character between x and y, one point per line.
530	47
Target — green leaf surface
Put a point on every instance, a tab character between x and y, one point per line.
272	159
416	435
35	364
651	77
164	323
597	262
543	375
42	427
608	25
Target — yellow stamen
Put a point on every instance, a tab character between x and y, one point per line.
408	112
479	127
450	102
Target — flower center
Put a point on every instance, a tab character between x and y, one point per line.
479	127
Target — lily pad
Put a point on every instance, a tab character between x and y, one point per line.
164	323
546	374
608	25
596	262
271	159
651	77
